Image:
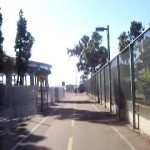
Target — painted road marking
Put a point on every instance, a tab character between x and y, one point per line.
72	123
119	133
75	106
95	108
17	144
124	138
74	109
70	143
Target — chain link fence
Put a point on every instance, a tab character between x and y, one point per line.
123	84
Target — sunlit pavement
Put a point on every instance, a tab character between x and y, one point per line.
74	123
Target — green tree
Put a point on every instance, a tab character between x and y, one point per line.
2	53
142	68
125	38
91	54
123	41
23	44
136	29
143	84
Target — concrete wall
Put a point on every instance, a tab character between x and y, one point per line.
23	101
142	119
142	122
56	93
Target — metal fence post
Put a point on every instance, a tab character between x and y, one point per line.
104	88
97	87
110	94
101	87
119	109
41	87
132	83
95	91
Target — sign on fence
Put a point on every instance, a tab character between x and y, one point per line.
41	78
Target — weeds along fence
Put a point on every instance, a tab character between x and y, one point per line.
123	84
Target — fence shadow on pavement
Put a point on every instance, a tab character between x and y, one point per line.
99	117
16	131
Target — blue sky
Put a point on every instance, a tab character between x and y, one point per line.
60	24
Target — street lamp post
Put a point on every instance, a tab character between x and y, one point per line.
108	39
108	47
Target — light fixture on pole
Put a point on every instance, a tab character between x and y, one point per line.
108	40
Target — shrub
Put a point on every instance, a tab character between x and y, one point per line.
143	83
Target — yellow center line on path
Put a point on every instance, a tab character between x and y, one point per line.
74	109
70	143
73	122
75	106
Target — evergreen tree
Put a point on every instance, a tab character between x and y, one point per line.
23	44
1	45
